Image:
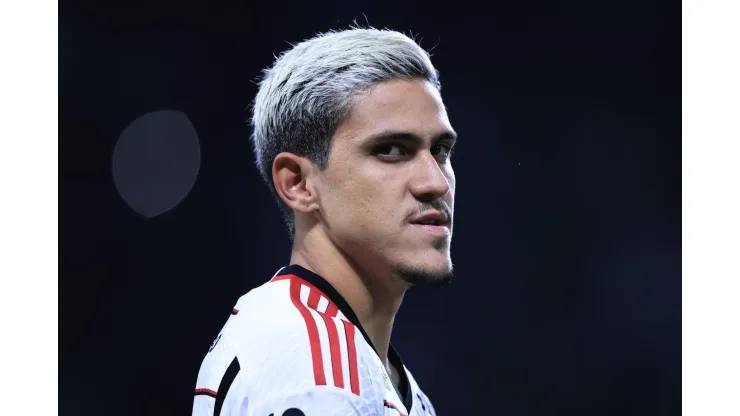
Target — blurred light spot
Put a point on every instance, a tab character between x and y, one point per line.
156	161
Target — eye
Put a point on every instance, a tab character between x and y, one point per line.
390	150
442	151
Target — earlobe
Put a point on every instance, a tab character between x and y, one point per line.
290	176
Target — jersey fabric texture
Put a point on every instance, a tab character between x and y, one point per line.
294	347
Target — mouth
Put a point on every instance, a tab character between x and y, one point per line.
431	221
436	230
435	222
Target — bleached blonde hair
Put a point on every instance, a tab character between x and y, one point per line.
307	93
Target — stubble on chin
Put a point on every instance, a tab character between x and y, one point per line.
423	276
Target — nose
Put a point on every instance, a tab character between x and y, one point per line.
429	180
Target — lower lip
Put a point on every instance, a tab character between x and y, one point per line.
438	230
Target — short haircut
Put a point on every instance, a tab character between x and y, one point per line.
308	91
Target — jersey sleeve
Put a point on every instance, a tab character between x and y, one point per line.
317	401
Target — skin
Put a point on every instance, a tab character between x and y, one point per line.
353	218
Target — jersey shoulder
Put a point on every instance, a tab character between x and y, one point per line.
265	334
285	337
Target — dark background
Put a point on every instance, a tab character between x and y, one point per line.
567	245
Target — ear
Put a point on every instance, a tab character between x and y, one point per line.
293	178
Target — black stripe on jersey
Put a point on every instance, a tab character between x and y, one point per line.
404	387
223	388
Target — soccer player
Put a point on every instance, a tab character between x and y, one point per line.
353	139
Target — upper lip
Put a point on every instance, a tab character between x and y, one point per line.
439	217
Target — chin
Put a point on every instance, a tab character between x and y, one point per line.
430	274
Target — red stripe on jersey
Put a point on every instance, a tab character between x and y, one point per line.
315	292
313	332
336	355
354	378
331	327
208	392
313	298
332	309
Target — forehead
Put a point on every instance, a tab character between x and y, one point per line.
414	106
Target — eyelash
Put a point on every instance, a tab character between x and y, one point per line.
448	148
380	149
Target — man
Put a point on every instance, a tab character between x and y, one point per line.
352	138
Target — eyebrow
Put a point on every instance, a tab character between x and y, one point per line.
405	136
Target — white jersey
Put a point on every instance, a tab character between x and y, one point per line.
294	347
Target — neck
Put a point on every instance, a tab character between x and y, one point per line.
372	293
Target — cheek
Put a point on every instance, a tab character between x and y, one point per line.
348	203
365	204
